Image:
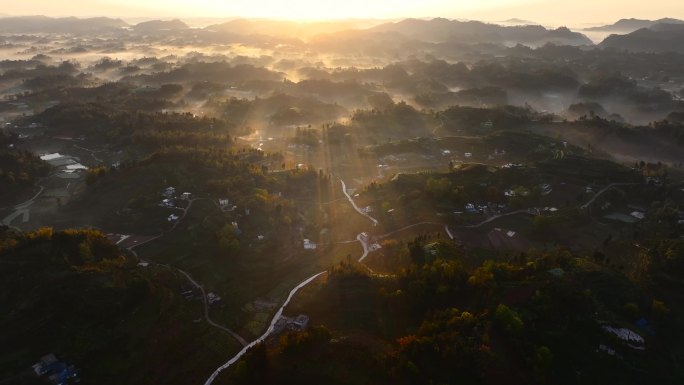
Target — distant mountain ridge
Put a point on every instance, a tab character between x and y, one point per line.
284	27
442	30
631	25
655	39
160	25
27	24
438	30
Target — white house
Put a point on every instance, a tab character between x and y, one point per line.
308	245
638	214
169	192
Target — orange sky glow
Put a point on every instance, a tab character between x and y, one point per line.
577	12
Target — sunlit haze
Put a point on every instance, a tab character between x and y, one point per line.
542	11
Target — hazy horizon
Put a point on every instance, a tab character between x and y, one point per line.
542	12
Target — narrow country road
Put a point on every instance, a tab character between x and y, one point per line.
92	152
446	228
610	186
268	331
206	309
491	219
22	209
407	227
358	210
192	281
364	244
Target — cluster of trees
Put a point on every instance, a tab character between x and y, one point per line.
68	68
398	119
474	97
467	118
222	72
150	130
18	167
613	86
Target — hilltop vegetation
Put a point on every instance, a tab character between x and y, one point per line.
500	322
19	168
75	294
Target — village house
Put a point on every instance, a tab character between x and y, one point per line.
300	322
169	192
214	299
168	203
308	245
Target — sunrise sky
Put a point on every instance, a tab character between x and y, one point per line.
576	12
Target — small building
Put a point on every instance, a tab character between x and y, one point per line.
173	218
468	154
638	215
169	192
545	189
308	245
470	208
214	299
280	325
186	196
300	322
168	203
